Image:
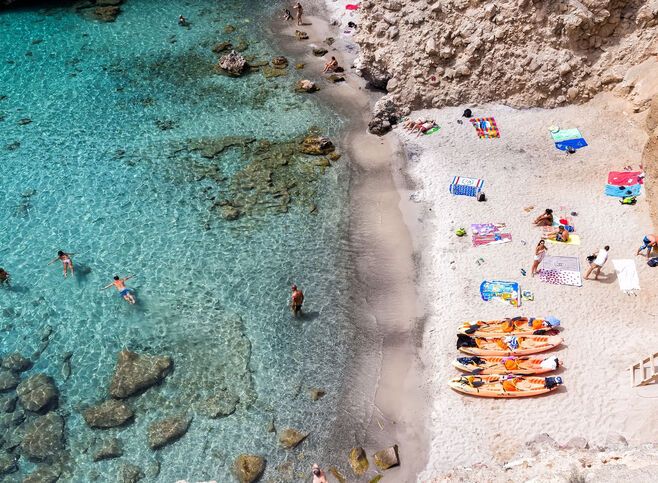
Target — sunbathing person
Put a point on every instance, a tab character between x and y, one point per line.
545	219
561	235
410	124
426	126
330	66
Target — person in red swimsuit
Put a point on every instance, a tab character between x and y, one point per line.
296	301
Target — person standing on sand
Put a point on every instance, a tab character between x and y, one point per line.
124	292
598	262
296	301
540	252
648	243
300	11
318	474
4	277
66	261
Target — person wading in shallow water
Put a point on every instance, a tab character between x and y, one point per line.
296	301
300	11
4	277
124	292
66	260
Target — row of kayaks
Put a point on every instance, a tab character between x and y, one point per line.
502	361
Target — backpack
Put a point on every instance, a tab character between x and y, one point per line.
652	262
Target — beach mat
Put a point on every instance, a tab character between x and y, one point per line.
573	240
568	138
466	186
627	274
485	127
624	178
432	130
507	292
561	271
623	191
489	234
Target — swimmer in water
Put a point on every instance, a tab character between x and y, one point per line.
67	263
124	292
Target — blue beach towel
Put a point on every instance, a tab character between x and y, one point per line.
623	191
568	138
466	186
507	292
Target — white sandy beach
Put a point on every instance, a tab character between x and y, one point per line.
605	330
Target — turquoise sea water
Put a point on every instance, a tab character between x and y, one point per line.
107	169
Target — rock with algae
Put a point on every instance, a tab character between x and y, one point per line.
248	467
358	461
387	458
291	438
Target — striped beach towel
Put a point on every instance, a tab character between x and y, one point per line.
568	138
486	127
466	186
489	234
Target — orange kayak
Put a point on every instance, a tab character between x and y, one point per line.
506	364
507	345
504	386
516	326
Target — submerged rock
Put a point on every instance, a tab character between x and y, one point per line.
317	393
221	404
109	449
44	438
106	14
319	51
335	78
387	458
233	63
221	47
136	372
8	380
248	467
358	461
37	393
290	438
8	464
108	414
301	35
166	431
337	474
305	85
270	72
8	403
131	473
43	474
316	145
16	362
230	213
280	62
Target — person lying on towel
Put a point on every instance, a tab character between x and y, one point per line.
560	235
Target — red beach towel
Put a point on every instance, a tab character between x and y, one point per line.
351	6
624	178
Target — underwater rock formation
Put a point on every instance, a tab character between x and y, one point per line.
37	393
136	372
44	438
108	414
166	431
248	467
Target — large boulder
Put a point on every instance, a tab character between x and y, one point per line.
166	431
290	438
44	438
385	114
136	372
248	467
387	458
108	414
358	461
109	449
8	380
316	145
16	362
37	393
233	63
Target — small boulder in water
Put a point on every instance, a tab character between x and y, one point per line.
248	467
387	458
358	461
230	213
131	474
109	449
44	438
37	393
16	362
233	63
290	438
280	62
316	145
319	51
306	85
8	380
135	372
301	35
108	414
166	431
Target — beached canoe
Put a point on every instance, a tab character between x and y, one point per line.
517	326
504	386
525	365
507	345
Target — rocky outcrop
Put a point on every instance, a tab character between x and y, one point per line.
387	458
108	414
37	393
131	474
109	449
233	64
136	372
358	461
315	144
385	115
44	438
524	53
248	467
166	431
43	474
16	363
305	85
8	380
290	438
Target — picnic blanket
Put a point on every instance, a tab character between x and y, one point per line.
489	234
507	292
573	240
486	127
561	271
627	275
566	138
466	186
623	191
625	178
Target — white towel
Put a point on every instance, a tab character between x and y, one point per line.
627	274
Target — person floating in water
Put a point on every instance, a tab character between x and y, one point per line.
300	11
4	277
124	292
182	21
67	262
296	301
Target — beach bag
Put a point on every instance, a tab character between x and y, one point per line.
652	262
467	113
481	196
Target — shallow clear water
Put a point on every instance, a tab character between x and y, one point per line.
107	170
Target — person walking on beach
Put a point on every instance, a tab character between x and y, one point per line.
545	219
540	252
597	262
66	260
4	277
300	11
648	243
318	474
296	301
124	292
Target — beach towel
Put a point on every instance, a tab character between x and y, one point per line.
627	275
568	138
507	292
573	240
432	130
352	6
623	191
561	271
489	234
486	127
625	178
466	186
